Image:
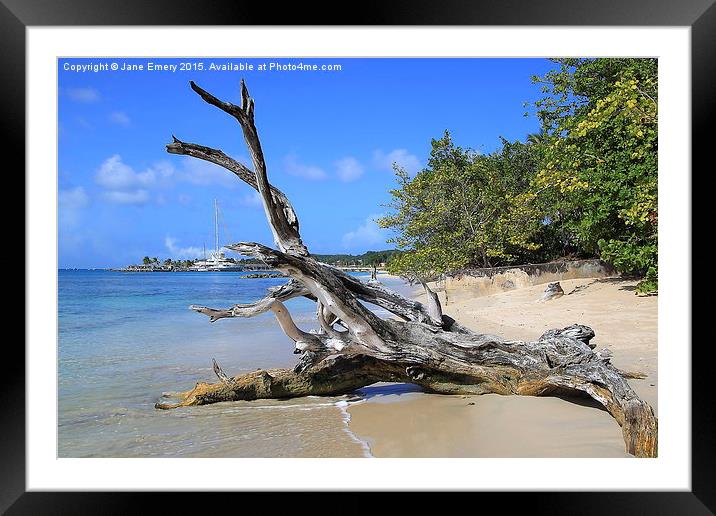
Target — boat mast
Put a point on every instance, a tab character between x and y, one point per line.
216	227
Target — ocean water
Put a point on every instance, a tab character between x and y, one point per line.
126	338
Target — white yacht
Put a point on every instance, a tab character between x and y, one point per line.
216	261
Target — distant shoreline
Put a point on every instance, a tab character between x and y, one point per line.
382	272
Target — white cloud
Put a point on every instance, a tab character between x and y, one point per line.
114	174
348	169
292	166
70	203
367	234
84	95
400	156
252	200
139	196
204	173
185	253
119	118
163	170
122	184
83	123
73	198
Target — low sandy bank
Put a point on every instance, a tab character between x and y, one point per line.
398	422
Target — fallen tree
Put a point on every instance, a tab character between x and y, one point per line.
421	345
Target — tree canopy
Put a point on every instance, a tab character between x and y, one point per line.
585	185
463	209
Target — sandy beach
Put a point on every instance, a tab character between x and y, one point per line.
399	421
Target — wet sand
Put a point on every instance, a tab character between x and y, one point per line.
397	421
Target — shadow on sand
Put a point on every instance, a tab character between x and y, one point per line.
610	281
400	389
387	389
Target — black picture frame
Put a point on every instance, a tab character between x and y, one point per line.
700	15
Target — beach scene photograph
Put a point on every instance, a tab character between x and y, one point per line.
357	257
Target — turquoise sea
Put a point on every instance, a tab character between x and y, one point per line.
126	338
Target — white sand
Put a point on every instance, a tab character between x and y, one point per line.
423	425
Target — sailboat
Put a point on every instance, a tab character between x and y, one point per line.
216	261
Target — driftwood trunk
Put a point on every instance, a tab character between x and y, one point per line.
423	346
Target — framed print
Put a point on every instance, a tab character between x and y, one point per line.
470	302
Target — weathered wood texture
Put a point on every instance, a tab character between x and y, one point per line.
421	345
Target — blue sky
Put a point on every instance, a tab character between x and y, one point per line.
329	138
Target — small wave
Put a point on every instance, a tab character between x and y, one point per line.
343	406
301	406
104	418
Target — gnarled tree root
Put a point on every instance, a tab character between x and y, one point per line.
343	374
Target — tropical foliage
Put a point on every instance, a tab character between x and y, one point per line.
464	209
586	185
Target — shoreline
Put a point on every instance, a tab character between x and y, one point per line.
398	421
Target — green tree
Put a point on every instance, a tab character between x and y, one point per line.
146	260
599	168
464	209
